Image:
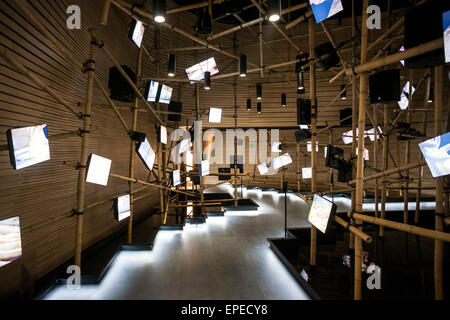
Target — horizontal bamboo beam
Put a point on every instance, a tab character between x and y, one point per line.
298	20
396	57
205	43
192	6
356	231
393	171
433	234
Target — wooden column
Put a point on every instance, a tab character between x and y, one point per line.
133	147
439	223
360	162
81	187
198	118
312	41
298	169
375	160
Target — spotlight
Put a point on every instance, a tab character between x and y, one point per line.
259	91
274	10
431	95
243	65
344	93
171	65
207	80
159	10
249	104
300	81
283	100
259	107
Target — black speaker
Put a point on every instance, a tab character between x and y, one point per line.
330	59
334	157
303	135
175	106
345	114
345	172
118	86
424	24
224	170
303	112
138	136
385	86
204	24
195	180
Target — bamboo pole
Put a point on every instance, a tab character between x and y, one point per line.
191	6
396	57
299	189
205	43
407	154
105	12
313	97
132	149
360	158
352	229
261	51
300	19
385	168
81	186
38	82
375	161
433	234
127	78
439	226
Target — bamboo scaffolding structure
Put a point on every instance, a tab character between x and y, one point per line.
375	161
313	98
38	82
393	171
396	57
191	6
360	158
300	19
352	229
439	226
285	36
105	12
385	168
433	234
132	150
208	45
81	186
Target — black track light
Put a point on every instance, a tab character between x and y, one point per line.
431	95
171	65
159	10
249	104
300	81
274	10
207	80
259	107
259	91
243	65
283	100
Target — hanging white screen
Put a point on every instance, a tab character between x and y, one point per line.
146	153
446	23
324	9
436	153
204	168
122	207
263	169
306	173
28	146
282	161
152	91
137	33
320	213
176	178
98	170
215	115
10	241
166	94
196	72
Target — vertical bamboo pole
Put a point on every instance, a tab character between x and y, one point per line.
105	12
81	189
200	147
298	168
354	115
375	160
330	141
439	223
132	148
235	121
360	162
314	134
407	153
385	166
261	52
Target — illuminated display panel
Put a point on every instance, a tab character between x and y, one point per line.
196	72
282	161
98	170
324	9
122	207
28	146
146	153
137	33
10	241
320	213
436	153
